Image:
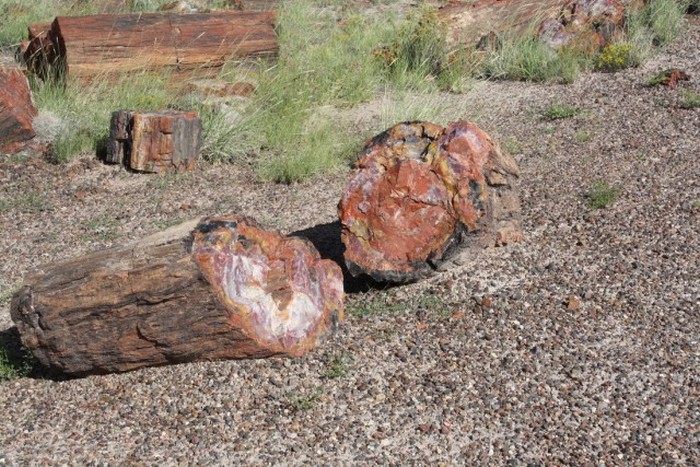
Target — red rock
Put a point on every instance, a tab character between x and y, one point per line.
418	192
670	78
17	110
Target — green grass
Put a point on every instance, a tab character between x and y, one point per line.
337	367
559	111
582	136
525	58
689	99
303	402
30	202
15	361
83	112
601	194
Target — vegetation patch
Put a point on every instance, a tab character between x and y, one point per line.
689	99
601	194
559	111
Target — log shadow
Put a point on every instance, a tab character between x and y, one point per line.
17	361
326	239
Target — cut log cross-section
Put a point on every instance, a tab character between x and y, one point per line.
420	193
196	43
165	141
228	289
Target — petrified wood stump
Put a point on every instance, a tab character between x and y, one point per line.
155	141
228	289
421	192
17	110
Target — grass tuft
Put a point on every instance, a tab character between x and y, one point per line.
601	194
689	99
558	111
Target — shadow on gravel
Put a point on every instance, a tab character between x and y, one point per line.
326	239
16	361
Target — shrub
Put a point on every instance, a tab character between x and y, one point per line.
614	57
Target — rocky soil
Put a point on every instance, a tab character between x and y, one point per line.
579	345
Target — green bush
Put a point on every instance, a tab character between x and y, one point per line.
615	57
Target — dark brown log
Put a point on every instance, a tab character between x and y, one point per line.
228	289
420	193
198	43
165	141
17	109
40	52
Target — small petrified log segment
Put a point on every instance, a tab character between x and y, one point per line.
17	109
420	193
228	290
155	141
192	43
669	78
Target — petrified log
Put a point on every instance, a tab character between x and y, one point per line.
226	290
155	141
420	193
17	109
197	43
585	24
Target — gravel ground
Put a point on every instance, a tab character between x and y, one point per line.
577	346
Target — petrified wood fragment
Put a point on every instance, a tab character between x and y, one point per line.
17	109
228	289
197	43
421	192
155	141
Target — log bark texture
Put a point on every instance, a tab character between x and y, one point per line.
194	43
17	109
165	141
227	289
420	193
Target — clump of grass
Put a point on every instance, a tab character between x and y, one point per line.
601	194
582	136
511	145
85	110
302	402
15	360
337	367
559	111
526	58
374	307
689	99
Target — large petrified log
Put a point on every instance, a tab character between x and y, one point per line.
17	109
585	24
164	141
228	289
197	43
421	192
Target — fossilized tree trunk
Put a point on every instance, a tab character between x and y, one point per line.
420	193
17	109
196	43
227	289
155	141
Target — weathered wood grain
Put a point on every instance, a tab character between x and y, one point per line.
179	296
101	44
